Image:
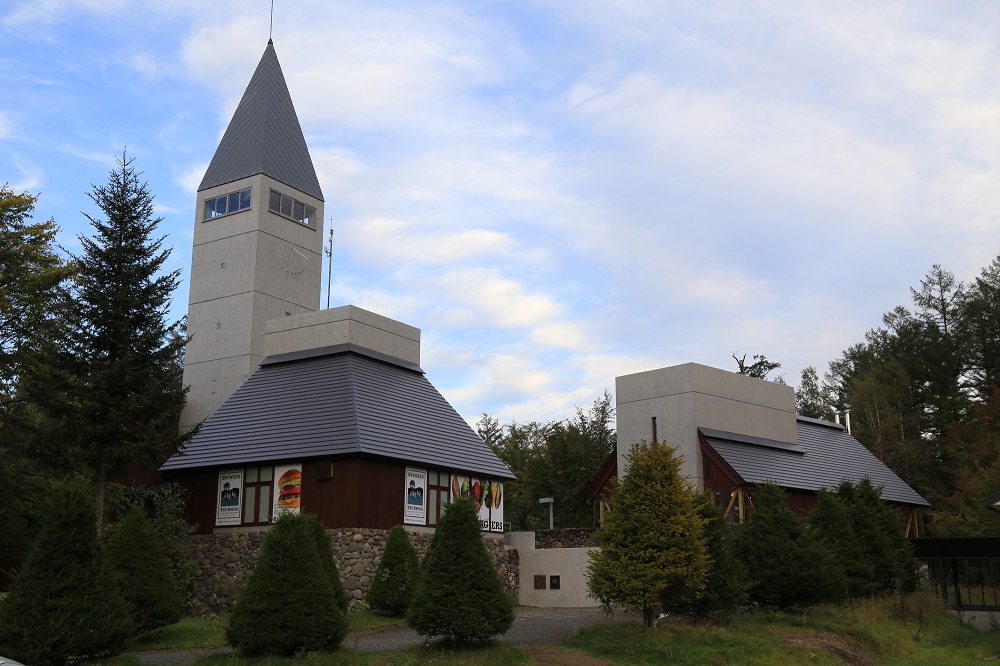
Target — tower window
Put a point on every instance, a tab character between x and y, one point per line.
286	206
227	204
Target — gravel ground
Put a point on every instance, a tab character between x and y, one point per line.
533	626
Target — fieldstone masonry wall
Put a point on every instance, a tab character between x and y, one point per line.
566	538
225	560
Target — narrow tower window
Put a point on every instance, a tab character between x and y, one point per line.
653	424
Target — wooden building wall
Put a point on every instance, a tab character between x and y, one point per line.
349	492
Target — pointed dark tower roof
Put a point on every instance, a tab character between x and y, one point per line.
264	135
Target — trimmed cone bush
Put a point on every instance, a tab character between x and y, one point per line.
136	552
288	605
64	602
324	549
397	575
460	596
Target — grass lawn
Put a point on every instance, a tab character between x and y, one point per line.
912	630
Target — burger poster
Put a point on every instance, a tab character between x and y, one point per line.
287	489
230	497
415	509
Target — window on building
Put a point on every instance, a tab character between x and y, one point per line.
257	484
286	206
437	494
227	204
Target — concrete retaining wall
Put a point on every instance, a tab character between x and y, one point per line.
568	564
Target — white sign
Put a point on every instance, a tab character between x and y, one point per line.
415	507
287	492
230	497
486	496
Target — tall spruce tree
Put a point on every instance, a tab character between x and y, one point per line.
64	602
653	544
460	596
122	364
32	292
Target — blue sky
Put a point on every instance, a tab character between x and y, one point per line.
555	193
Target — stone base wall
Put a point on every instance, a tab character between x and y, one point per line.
582	537
224	562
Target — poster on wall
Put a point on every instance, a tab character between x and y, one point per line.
230	497
479	489
496	506
415	508
287	489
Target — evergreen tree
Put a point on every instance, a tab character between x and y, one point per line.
136	552
64	601
789	565
288	604
397	575
833	524
653	544
122	367
460	596
32	281
728	582
877	526
324	550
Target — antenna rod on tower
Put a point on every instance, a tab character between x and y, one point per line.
270	28
329	270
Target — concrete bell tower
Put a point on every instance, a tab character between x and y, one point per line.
258	241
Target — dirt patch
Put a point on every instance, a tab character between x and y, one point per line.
547	655
831	644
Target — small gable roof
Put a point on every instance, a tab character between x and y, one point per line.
824	455
335	401
264	136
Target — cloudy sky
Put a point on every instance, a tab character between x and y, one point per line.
555	193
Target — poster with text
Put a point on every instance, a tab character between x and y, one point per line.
496	506
415	507
230	497
287	489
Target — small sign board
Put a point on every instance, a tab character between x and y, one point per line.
415	506
230	497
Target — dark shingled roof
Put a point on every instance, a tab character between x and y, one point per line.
337	401
264	136
824	456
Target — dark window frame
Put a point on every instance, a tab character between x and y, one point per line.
293	206
211	205
254	488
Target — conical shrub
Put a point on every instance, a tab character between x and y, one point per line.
64	602
288	604
397	575
324	549
137	554
460	596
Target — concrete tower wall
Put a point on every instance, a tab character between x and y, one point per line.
683	398
247	267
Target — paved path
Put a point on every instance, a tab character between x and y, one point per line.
532	626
